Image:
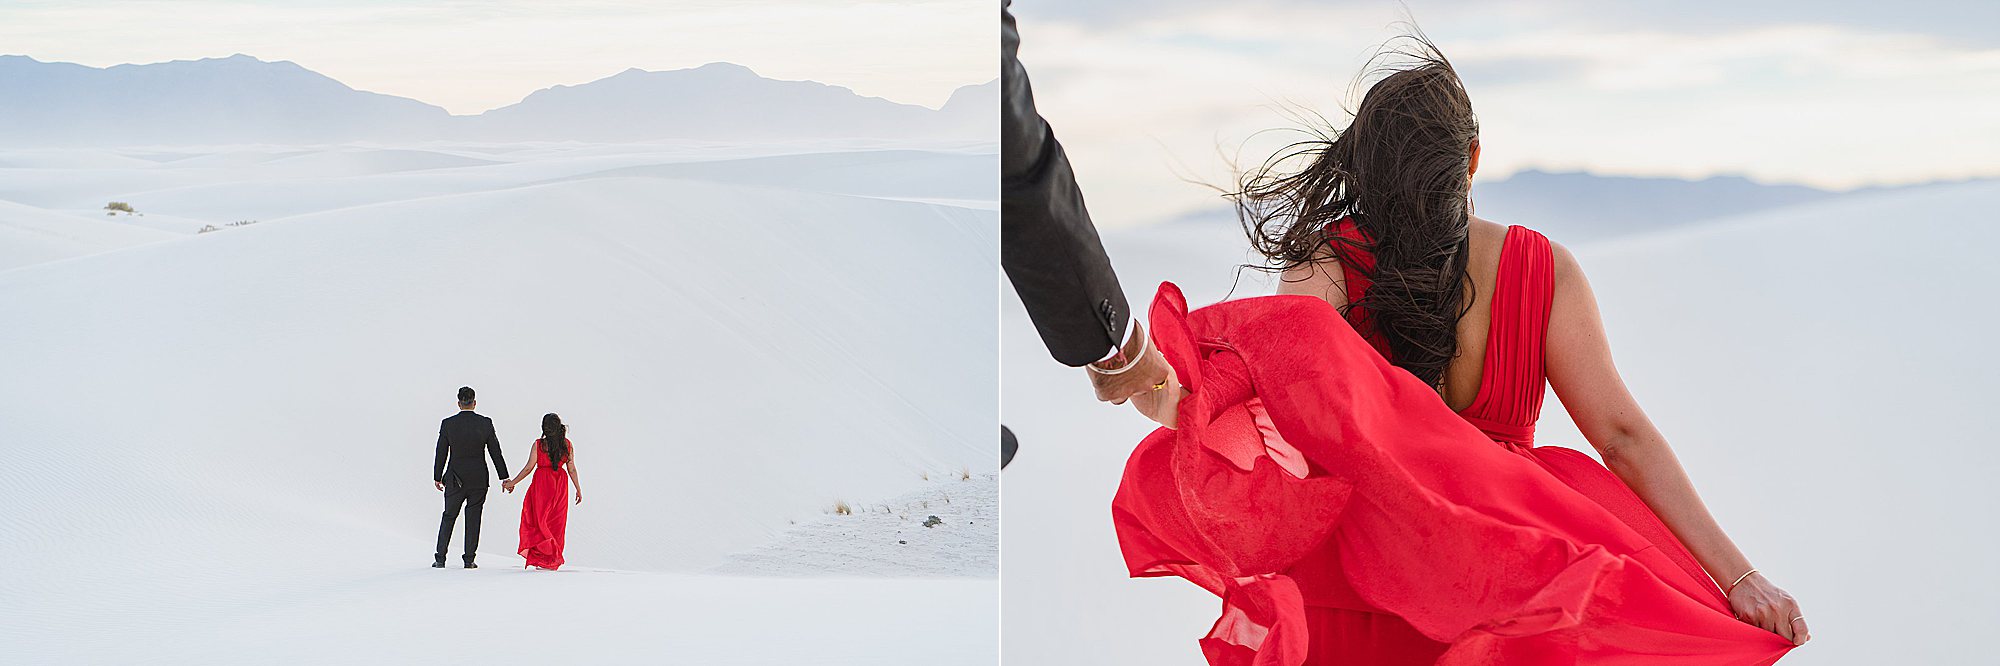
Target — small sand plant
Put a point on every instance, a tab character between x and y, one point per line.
841	508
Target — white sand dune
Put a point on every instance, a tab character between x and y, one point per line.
223	442
175	226
69	158
235	157
63	187
267	182
897	174
30	235
1819	369
366	161
943	528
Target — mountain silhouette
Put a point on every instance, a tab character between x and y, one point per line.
241	99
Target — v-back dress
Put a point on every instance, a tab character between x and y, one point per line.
1346	515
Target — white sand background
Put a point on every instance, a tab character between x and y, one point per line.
220	443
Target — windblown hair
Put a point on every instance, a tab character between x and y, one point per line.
1399	170
555	439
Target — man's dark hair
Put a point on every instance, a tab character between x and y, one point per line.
464	396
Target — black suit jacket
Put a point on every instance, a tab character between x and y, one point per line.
1048	246
461	439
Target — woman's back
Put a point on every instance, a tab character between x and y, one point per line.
1497	378
1462	377
542	457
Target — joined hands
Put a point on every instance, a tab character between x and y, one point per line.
1150	384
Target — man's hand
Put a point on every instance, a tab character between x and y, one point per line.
1149	371
440	485
507	486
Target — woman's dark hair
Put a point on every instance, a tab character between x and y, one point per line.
555	439
1399	170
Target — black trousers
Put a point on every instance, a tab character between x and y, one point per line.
473	499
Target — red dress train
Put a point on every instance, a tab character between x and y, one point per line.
1345	515
545	513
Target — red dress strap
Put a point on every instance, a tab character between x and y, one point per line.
1512	377
1357	260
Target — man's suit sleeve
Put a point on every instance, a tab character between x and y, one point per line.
493	447
444	449
1048	245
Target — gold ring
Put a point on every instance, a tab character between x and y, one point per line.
1801	617
1161	385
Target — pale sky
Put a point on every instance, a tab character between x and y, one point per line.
471	56
1834	94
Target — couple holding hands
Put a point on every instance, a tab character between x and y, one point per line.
459	471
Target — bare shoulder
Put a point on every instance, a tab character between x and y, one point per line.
1483	240
1482	229
1320	277
1566	268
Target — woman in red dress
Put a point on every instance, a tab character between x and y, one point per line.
544	511
1351	464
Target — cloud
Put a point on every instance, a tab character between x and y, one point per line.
1147	103
1969	23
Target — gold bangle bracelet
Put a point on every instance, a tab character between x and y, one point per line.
1739	581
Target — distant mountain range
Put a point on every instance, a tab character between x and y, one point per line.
1579	207
240	99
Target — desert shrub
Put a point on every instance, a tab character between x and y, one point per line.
118	207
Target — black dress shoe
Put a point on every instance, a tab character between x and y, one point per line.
437	564
468	565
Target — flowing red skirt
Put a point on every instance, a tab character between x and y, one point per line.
544	518
1346	515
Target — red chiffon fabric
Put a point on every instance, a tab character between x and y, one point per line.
545	513
1346	515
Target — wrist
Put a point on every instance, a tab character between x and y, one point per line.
1127	354
1745	577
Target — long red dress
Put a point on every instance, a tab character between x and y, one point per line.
545	512
1345	515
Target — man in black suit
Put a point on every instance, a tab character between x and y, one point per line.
463	442
1051	252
